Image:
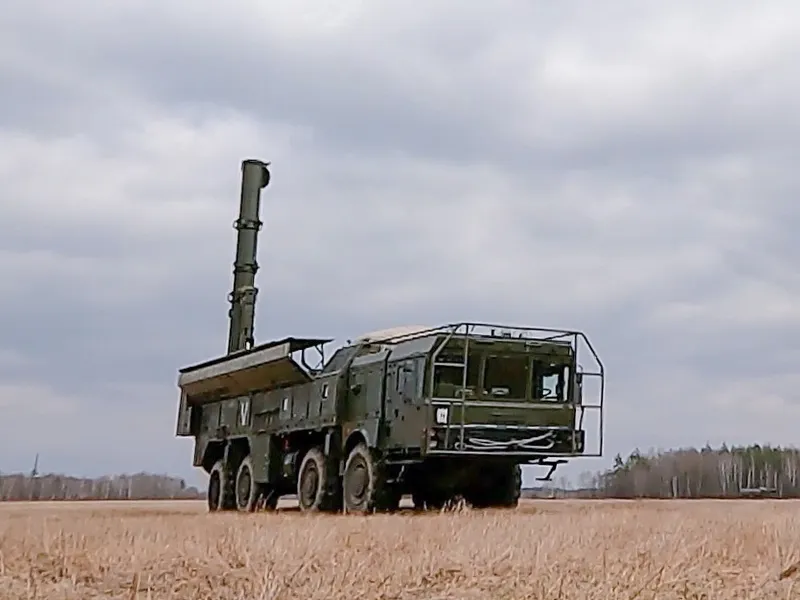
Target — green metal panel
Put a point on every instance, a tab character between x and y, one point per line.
260	452
229	413
199	450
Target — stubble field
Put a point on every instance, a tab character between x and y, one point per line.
544	549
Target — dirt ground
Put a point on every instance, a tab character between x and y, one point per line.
545	549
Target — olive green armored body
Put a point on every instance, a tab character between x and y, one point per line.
434	412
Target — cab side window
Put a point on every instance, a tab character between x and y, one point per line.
549	381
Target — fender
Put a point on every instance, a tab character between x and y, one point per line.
351	435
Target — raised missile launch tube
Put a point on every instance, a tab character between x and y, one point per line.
255	177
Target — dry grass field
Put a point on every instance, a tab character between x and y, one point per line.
545	549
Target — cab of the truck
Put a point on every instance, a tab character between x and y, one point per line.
501	393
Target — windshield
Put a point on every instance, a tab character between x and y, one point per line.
506	376
517	377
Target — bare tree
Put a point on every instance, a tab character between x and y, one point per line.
707	473
140	486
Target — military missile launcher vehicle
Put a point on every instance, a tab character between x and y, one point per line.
432	412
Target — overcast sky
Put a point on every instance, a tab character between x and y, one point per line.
625	168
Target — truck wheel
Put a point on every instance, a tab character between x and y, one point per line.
359	481
247	490
364	486
510	488
220	495
311	482
501	492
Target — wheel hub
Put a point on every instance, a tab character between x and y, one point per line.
310	485
358	481
244	487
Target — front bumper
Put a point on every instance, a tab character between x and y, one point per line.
495	440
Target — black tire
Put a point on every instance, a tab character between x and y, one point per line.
220	495
502	491
213	493
510	488
478	498
312	482
247	491
364	488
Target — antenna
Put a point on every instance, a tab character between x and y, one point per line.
255	177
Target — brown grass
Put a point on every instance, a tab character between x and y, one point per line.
545	549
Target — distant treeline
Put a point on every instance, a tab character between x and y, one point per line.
139	486
735	472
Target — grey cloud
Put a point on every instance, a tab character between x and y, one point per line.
577	94
623	172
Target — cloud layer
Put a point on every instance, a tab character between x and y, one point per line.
623	171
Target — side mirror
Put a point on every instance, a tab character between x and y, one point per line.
578	388
355	389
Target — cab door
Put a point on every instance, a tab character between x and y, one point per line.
405	409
